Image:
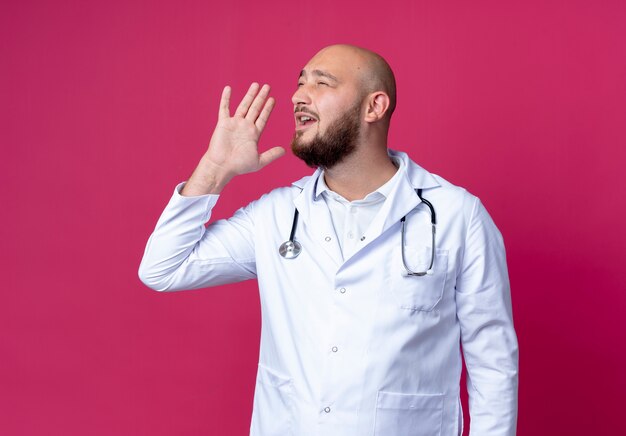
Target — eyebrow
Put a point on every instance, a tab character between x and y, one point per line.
319	73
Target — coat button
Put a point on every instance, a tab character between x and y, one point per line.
327	409
335	349
327	238
342	290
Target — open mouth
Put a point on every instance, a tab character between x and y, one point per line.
304	121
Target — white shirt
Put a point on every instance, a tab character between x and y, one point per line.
351	218
352	346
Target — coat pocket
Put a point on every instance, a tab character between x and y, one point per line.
272	414
420	293
408	414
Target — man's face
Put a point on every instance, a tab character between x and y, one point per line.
327	106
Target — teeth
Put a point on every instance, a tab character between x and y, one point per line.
303	119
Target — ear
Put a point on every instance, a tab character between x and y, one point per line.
377	106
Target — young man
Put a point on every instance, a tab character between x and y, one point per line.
365	307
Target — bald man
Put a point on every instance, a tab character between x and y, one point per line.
365	307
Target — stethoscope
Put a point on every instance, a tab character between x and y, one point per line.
291	248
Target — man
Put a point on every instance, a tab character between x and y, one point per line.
365	308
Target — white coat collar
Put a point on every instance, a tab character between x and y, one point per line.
401	201
417	176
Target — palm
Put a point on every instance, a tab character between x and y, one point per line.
234	144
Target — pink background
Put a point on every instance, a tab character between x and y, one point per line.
105	106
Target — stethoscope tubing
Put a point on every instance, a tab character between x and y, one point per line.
291	248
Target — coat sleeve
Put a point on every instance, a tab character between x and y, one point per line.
488	338
184	254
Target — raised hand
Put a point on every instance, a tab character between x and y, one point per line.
233	149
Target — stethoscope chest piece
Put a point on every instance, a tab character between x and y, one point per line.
290	249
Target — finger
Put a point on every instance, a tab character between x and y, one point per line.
270	156
258	103
243	107
265	114
224	111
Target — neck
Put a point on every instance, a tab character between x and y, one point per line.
361	173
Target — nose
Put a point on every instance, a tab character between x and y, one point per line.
301	96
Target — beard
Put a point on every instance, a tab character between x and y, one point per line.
328	149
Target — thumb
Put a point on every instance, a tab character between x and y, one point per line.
270	156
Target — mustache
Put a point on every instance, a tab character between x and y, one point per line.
305	111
